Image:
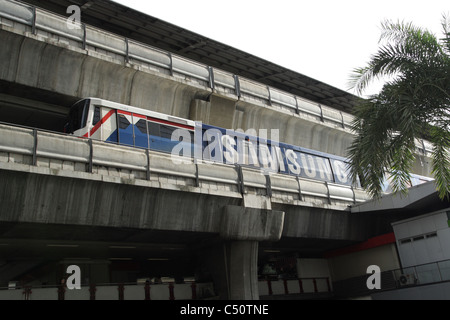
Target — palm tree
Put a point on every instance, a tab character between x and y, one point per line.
413	104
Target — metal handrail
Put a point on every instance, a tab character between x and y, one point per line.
88	157
395	279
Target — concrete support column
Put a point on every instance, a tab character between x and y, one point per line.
242	270
242	228
231	261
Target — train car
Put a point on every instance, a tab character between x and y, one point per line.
273	156
117	123
121	124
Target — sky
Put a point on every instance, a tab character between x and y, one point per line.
322	39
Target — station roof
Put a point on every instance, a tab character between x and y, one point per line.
130	23
420	199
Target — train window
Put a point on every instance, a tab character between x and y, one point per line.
142	126
153	129
123	122
96	116
140	134
166	131
78	116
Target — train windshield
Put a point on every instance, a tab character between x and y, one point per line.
78	116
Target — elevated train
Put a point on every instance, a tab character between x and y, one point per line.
126	125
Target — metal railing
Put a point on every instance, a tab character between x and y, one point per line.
423	274
419	275
117	291
163	291
270	287
86	154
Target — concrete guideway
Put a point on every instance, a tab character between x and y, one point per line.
55	180
72	157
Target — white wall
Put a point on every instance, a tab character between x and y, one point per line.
423	239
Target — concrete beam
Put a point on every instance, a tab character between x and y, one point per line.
37	198
323	223
52	199
242	223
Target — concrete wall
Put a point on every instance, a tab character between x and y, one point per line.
313	268
304	130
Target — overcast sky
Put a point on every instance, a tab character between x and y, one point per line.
322	39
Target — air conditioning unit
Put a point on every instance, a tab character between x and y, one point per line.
407	279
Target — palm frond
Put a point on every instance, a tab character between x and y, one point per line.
406	47
441	161
413	104
445	22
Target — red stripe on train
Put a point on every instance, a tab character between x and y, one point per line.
170	123
110	113
98	125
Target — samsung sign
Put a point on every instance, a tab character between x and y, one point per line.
253	148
